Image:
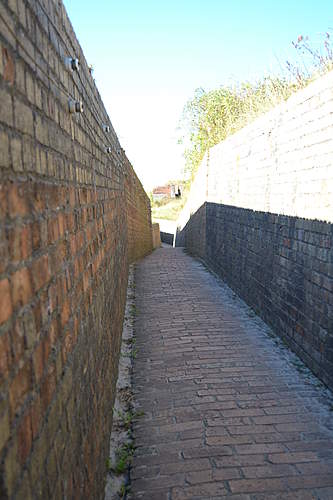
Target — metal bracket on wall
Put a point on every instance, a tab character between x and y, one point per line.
75	106
72	63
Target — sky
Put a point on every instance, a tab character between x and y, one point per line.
149	56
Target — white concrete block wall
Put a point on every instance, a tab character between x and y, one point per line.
280	163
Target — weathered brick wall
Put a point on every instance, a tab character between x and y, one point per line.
167	238
193	237
156	235
282	265
138	216
71	218
283	268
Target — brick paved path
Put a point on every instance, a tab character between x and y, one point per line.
228	413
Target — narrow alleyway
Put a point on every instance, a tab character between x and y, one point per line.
229	412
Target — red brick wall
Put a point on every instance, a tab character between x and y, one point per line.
71	219
138	216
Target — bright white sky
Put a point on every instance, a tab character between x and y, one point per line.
149	56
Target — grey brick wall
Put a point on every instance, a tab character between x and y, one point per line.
281	266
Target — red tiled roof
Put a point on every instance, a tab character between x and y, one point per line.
161	190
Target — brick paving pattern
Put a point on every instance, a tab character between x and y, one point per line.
228	411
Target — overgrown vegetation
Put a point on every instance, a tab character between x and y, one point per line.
124	455
210	117
168	208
